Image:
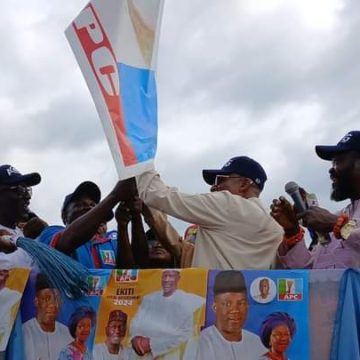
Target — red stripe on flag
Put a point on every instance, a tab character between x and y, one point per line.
95	43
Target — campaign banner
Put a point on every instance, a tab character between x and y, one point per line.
12	284
127	314
256	315
115	43
166	314
162	312
55	328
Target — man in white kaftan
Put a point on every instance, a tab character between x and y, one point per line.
45	337
164	323
112	348
227	339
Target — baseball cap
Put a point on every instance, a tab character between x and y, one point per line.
89	189
349	142
241	165
11	176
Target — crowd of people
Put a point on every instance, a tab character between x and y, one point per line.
229	228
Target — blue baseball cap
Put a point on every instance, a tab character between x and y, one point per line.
10	176
89	189
241	165
349	142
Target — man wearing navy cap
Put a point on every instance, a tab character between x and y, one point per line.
15	195
341	233
83	215
235	229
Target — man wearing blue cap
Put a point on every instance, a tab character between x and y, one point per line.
15	195
341	233
80	237
235	229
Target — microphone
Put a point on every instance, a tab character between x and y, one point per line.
292	189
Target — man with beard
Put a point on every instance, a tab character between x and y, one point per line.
115	331
45	337
341	249
15	195
227	339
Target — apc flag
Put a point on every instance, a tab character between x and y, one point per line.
115	43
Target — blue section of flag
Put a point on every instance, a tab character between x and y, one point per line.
346	334
139	102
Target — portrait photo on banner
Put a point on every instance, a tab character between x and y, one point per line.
12	284
254	314
152	313
57	328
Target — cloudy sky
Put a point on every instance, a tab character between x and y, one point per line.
264	78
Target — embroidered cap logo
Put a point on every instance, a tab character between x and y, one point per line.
346	138
11	170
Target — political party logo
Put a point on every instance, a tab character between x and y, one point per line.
126	275
107	257
290	289
96	285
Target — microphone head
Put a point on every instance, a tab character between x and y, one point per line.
291	187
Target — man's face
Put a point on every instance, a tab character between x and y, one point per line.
264	287
102	229
169	281
231	311
15	200
4	274
115	331
77	208
345	167
157	252
47	303
280	339
233	183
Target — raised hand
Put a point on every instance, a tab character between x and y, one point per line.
282	211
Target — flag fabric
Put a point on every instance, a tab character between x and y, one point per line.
346	335
115	43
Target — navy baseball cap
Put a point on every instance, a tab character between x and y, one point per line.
241	165
87	188
10	176
350	142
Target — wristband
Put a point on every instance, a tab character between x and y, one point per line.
340	222
292	240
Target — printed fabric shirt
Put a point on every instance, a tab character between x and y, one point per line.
338	253
234	232
73	353
97	253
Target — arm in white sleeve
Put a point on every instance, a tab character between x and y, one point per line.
202	209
